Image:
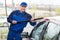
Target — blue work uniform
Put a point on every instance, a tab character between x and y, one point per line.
16	29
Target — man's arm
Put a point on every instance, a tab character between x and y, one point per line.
32	22
10	18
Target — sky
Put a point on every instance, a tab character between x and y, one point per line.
47	2
52	2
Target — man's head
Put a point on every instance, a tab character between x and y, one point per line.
23	6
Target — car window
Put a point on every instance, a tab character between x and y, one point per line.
52	31
36	33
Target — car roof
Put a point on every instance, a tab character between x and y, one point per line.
54	19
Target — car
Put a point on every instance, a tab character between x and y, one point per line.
48	29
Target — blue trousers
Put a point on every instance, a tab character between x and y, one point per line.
14	36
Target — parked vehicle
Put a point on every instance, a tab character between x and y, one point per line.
49	29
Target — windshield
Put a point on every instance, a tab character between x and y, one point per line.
49	32
37	31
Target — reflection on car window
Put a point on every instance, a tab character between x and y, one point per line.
52	31
36	33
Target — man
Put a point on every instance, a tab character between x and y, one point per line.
17	23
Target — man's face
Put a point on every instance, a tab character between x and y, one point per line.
22	8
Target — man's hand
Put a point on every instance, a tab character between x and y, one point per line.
32	20
14	22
